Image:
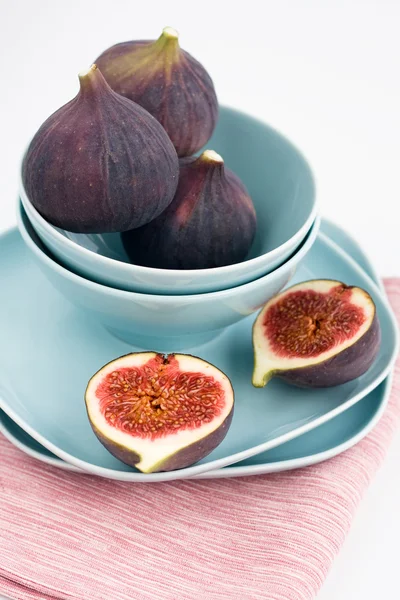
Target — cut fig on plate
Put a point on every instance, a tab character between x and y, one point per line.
318	333
159	412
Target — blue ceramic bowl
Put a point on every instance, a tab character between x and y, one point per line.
280	183
162	322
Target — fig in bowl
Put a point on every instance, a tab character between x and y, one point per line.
210	223
101	163
169	83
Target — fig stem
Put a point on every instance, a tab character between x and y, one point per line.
210	162
91	80
87	72
211	156
168	43
170	33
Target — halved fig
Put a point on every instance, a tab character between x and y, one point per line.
159	412
318	333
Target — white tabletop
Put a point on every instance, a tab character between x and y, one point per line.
324	73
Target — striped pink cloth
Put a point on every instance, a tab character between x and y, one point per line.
272	537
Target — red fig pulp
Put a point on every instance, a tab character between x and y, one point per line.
100	163
169	83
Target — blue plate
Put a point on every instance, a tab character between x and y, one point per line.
325	441
55	414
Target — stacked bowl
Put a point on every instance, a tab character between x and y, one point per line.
170	309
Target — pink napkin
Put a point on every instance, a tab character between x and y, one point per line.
272	537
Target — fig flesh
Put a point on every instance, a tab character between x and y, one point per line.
318	333
169	83
101	163
159	412
211	221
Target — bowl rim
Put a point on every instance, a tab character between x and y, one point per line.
294	240
163	298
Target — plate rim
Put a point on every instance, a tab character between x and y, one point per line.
232	470
310	459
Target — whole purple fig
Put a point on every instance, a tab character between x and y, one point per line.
211	221
101	163
169	83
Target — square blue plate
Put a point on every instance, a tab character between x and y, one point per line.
49	350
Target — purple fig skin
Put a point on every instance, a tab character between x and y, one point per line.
198	450
129	457
169	83
101	163
181	459
211	221
345	366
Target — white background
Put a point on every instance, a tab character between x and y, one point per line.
324	73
